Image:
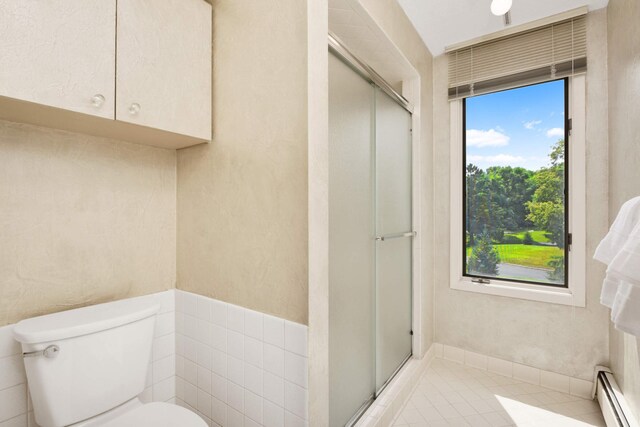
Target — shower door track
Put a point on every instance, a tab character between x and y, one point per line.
387	382
366	405
352	422
338	48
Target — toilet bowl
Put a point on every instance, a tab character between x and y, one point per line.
86	367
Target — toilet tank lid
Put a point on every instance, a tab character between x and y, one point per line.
83	321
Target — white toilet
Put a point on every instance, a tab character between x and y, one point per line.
86	367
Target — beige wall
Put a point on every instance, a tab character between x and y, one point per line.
557	338
318	158
242	200
624	160
83	220
393	21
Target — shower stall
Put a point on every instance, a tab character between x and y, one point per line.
370	234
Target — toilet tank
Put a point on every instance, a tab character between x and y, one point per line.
95	358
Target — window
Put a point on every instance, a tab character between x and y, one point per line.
518	193
515	209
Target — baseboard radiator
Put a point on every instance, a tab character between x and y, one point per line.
614	407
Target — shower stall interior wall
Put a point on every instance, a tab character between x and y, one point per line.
370	240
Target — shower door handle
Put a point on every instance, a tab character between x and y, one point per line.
396	236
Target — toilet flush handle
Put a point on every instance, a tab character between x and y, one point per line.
50	352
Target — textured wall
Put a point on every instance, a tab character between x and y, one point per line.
83	220
318	173
242	200
552	337
624	159
393	21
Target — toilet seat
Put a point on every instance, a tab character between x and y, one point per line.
157	414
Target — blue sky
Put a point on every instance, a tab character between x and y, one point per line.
515	127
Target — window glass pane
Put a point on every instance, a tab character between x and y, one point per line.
515	194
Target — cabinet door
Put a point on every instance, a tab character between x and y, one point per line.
163	77
59	53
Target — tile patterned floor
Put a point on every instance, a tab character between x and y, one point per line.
451	394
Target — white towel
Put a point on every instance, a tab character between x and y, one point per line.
625	266
625	314
609	290
614	241
621	229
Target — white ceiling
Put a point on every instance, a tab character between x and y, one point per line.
442	23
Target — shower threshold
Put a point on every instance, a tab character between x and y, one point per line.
366	405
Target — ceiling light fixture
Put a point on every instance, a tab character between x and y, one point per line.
500	7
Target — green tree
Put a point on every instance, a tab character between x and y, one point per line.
557	153
518	189
498	211
484	258
527	239
474	176
557	264
485	204
496	200
546	208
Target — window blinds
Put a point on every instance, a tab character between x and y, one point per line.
544	53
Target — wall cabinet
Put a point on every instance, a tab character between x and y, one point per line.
164	65
137	70
59	53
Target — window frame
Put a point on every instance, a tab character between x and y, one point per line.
567	245
573	293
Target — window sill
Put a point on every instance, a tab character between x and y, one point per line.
503	288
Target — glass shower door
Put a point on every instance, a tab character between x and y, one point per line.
351	244
394	236
370	241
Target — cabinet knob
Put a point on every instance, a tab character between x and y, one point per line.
97	100
134	109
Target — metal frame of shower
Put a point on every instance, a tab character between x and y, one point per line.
337	47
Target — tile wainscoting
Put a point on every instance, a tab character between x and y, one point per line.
231	365
239	367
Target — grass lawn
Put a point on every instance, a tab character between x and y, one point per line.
526	255
537	235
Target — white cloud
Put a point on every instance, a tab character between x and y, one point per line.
486	138
498	160
532	124
555	132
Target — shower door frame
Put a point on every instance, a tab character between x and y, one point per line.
337	47
368	73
